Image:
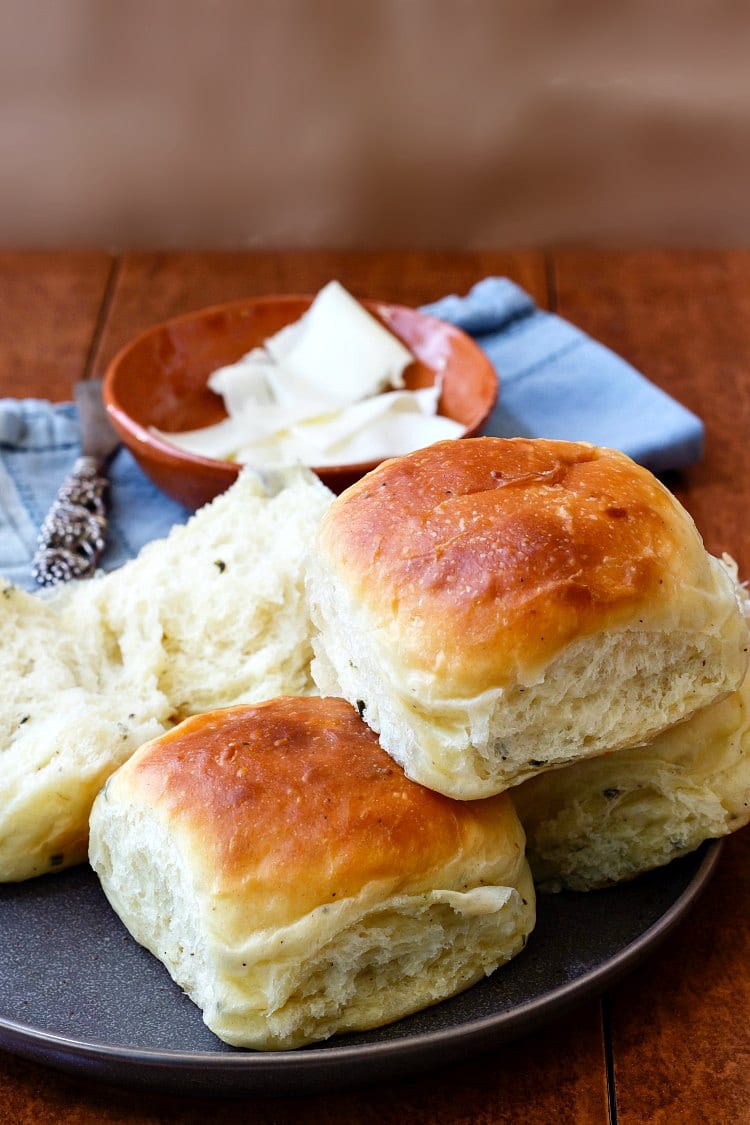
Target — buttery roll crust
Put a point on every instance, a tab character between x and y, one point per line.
296	883
449	582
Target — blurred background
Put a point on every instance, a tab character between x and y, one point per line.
373	123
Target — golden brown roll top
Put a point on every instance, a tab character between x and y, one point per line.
486	557
499	606
295	883
294	803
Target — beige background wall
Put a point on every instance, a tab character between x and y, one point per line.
373	122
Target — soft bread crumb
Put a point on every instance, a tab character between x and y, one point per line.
218	607
599	822
210	616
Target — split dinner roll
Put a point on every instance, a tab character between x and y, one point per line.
295	883
211	616
598	822
499	607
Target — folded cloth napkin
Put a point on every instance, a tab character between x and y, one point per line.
555	381
39	441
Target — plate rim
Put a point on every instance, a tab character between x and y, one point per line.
64	1051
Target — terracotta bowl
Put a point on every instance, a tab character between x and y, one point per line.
160	379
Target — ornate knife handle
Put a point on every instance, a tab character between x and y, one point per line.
72	537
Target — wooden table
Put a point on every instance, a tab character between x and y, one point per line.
671	1043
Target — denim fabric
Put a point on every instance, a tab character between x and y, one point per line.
39	441
554	382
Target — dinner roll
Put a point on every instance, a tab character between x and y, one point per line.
295	883
498	607
611	818
212	615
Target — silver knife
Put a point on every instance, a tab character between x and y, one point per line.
73	534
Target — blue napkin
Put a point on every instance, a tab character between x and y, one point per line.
39	441
555	381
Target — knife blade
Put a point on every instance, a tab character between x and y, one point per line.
73	533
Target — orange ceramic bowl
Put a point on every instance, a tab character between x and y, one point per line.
160	379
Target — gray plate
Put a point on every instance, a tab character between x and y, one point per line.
76	992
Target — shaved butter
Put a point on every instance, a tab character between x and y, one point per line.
336	329
384	426
320	393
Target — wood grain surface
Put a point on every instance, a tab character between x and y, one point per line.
680	1035
672	1043
683	319
152	287
50	306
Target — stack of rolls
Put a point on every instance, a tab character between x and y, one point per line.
490	616
542	616
291	878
